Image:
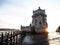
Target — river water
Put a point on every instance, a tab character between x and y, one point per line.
52	38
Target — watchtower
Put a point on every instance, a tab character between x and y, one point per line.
39	20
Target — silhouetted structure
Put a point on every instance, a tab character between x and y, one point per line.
35	33
39	21
13	38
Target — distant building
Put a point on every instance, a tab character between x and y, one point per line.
39	21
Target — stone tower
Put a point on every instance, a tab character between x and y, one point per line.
39	20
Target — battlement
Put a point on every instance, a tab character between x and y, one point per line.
38	11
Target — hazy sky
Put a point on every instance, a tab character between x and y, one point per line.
14	13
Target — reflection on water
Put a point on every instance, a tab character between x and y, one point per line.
50	39
36	39
55	38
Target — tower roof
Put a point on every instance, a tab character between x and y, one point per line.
39	11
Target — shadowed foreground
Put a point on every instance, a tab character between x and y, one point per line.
35	39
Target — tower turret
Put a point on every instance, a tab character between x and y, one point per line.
39	20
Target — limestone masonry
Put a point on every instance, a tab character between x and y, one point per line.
39	21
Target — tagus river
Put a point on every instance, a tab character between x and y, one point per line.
52	38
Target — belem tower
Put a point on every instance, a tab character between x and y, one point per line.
39	21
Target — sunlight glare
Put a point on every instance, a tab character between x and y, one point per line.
46	30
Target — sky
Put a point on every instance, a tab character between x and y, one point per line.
14	13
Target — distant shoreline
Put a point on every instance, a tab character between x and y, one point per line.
3	29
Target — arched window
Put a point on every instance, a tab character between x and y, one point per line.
35	21
40	23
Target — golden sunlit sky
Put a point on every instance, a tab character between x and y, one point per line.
14	13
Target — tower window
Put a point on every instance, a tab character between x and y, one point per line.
44	20
35	21
40	23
